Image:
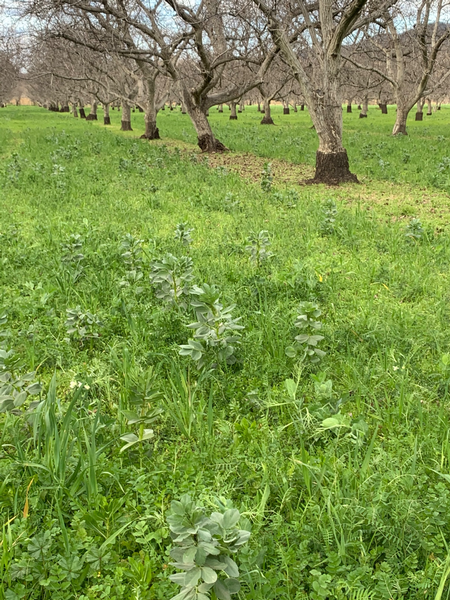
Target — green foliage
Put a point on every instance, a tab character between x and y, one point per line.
183	234
82	325
414	230
328	224
305	346
257	248
343	469
203	550
267	177
216	330
171	278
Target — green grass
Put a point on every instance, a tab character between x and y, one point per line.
357	507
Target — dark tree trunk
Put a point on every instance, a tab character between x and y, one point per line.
359	106
302	107
332	168
383	107
286	110
208	143
295	107
92	116
82	113
221	108
74	111
126	118
364	109
151	131
267	119
241	107
106	117
233	116
259	107
419	116
349	108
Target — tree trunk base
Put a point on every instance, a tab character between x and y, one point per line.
362	116
286	111
125	126
359	106
267	121
91	117
82	113
208	143
332	168
419	116
429	114
302	107
384	110
106	120
349	108
151	135
233	117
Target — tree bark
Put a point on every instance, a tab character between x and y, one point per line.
82	113
302	107
74	110
365	107
349	107
383	107
259	107
126	117
286	110
150	112
241	107
198	114
106	117
429	111
267	119
400	121
92	116
419	111
233	116
221	108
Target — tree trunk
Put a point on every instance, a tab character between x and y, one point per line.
383	107
241	107
430	111
126	117
400	121
295	107
92	116
150	111
325	108
82	113
438	106
302	107
221	108
233	116
267	119
286	110
349	107
74	110
419	110
365	106
259	107
106	117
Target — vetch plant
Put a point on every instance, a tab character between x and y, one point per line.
305	344
183	234
131	254
216	331
72	249
203	550
257	248
330	212
142	410
414	230
267	177
171	277
15	389
82	324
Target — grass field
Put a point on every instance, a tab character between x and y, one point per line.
339	467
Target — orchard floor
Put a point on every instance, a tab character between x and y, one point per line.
339	467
